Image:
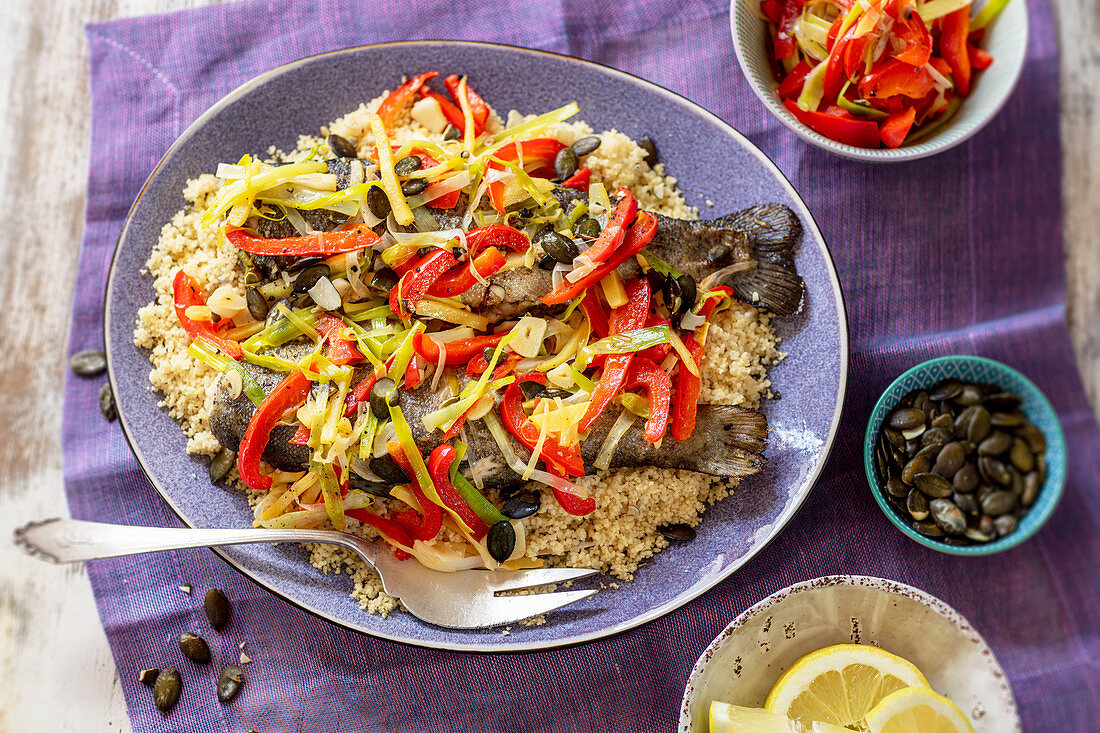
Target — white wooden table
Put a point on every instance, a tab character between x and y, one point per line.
50	637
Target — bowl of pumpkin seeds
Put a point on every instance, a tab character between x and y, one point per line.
965	455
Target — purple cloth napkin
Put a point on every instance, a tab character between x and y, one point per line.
960	253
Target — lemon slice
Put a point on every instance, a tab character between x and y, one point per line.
726	718
917	710
840	684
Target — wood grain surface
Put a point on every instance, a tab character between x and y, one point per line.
50	638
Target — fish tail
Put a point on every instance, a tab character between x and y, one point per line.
732	441
764	275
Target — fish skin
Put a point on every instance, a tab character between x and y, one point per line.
348	172
765	235
712	448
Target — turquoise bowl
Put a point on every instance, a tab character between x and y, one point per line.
1035	405
1005	40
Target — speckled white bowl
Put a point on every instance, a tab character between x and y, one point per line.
1005	39
742	664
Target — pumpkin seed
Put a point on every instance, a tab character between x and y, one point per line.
588	228
950	459
586	145
501	540
229	684
997	443
1032	484
341	147
896	487
560	247
194	647
928	529
994	470
107	402
414	186
917	504
979	426
408	164
948	389
148	676
1005	524
919	464
308	277
1036	441
933	485
969	395
222	464
1020	456
378	202
216	606
522	505
944	420
967	502
966	479
907	418
565	163
947	516
384	468
88	362
166	690
371	487
1006	419
451	133
257	304
677	532
999	502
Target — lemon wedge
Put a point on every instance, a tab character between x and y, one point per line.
917	710
841	684
726	718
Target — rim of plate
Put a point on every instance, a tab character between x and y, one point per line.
656	612
760	80
1052	488
885	585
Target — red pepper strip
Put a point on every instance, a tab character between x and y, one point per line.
917	38
712	298
186	293
566	460
834	31
979	58
896	127
657	353
578	180
538	158
478	108
686	402
458	352
896	77
629	317
477	366
611	237
594	309
321	244
424	527
450	110
772	10
854	51
792	83
954	29
835	71
415	284
848	130
399	98
341	351
301	436
784	44
571	503
645	373
460	279
637	237
439	466
412	374
497	235
292	390
389	528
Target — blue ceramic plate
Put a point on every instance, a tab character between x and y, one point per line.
1035	405
704	153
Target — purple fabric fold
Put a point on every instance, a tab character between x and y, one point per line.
960	253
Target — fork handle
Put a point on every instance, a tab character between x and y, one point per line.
70	540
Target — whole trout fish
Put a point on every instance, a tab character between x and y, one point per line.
728	441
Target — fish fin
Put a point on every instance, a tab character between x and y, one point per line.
768	235
732	440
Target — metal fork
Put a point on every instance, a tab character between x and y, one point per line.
462	600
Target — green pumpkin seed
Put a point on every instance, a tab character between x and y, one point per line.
107	402
501	540
950	459
1020	456
933	485
650	148
216	606
586	145
999	502
966	479
341	147
408	164
588	228
166	690
229	684
222	464
979	426
565	163
948	389
414	186
1032	484
907	418
1005	524
378	202
148	676
194	647
947	516
88	363
917	504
